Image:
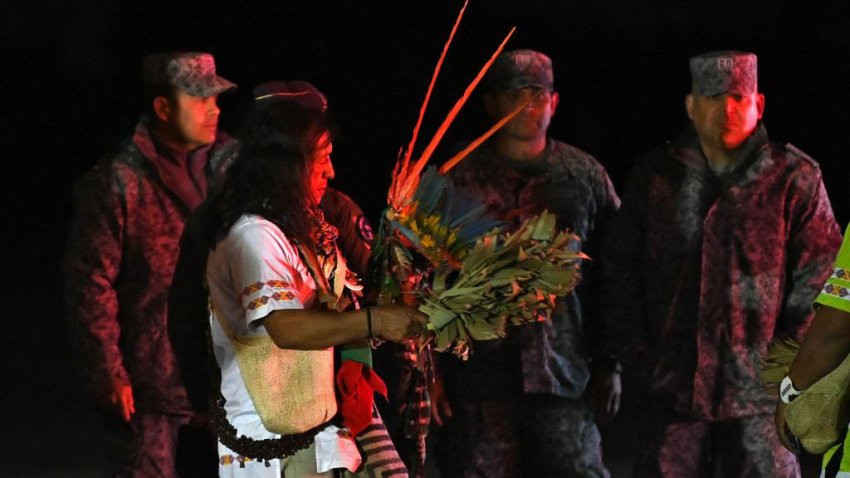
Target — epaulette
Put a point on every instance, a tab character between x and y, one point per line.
798	152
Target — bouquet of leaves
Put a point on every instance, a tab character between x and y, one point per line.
447	255
506	279
438	248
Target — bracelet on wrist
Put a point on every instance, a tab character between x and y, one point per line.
787	392
369	321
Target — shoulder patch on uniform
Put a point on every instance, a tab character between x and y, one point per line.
802	154
365	230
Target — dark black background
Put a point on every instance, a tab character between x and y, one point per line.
72	79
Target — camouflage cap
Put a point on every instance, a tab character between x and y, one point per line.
191	72
724	72
520	69
301	92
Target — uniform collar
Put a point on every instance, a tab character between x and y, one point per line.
527	165
687	149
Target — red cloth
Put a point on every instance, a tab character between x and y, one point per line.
357	385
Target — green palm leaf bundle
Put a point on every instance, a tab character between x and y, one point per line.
505	279
446	255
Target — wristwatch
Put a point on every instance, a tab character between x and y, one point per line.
787	392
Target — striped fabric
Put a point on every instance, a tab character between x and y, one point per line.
836	461
415	412
380	459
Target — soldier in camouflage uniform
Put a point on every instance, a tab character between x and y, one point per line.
517	406
123	245
722	243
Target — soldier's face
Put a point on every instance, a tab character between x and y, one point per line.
321	169
194	119
726	120
530	123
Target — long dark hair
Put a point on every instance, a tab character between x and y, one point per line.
270	176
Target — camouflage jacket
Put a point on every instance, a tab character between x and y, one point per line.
120	257
701	271
550	357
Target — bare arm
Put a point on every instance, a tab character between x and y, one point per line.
826	345
304	329
810	253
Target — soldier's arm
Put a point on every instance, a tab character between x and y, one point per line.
813	242
605	385
606	204
621	328
91	265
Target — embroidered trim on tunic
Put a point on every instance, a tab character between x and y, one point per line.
231	459
836	290
261	301
258	286
841	273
